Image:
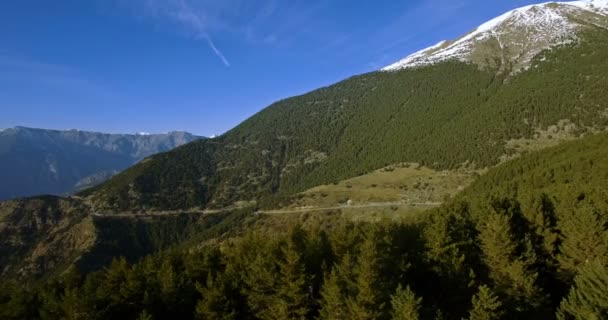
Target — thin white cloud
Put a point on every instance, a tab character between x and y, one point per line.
198	18
262	22
217	51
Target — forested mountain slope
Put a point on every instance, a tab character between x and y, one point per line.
487	255
443	115
571	174
42	237
40	161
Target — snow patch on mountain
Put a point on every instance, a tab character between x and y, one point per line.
524	31
600	6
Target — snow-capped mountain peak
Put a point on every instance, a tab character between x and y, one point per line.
515	37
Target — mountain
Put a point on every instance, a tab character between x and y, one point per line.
472	109
513	39
38	161
518	105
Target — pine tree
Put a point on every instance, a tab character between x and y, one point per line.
511	271
486	305
584	238
588	297
216	300
405	304
167	279
291	299
366	304
115	276
452	254
541	215
333	303
260	277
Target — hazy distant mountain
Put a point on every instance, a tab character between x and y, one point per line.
39	161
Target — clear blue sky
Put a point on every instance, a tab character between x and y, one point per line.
201	65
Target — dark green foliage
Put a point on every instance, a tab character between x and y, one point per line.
366	302
333	300
220	300
587	297
405	304
548	183
584	238
441	116
452	258
486	305
134	238
510	262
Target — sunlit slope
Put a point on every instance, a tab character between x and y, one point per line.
445	115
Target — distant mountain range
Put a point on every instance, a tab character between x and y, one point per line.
39	161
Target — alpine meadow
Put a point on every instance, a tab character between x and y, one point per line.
468	180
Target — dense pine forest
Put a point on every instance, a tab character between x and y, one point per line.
443	116
528	240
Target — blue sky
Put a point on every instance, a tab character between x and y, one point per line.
201	65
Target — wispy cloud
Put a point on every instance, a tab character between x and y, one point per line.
217	51
308	24
198	20
260	22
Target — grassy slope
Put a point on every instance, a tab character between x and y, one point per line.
406	184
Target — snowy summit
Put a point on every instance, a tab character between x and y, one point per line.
517	35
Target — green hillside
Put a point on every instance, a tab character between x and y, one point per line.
442	116
572	173
487	255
